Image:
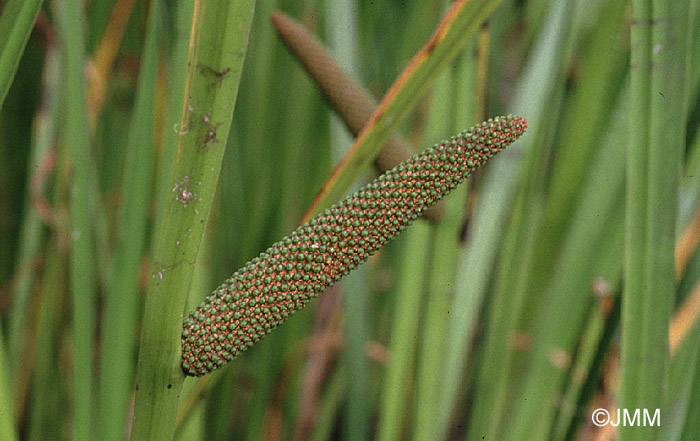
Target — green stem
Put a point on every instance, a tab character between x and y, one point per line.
82	269
7	420
657	123
122	296
218	45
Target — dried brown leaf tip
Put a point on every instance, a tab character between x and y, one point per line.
274	285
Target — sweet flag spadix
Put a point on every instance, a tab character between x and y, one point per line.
280	281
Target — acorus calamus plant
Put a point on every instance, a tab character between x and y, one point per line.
280	281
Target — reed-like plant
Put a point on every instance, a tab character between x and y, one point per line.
150	148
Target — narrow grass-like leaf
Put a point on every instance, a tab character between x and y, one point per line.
7	421
603	72
356	301
44	414
394	408
122	296
454	100
219	39
16	23
569	417
691	427
690	181
260	120
105	55
83	269
32	228
685	355
533	96
470	91
657	124
22	345
330	404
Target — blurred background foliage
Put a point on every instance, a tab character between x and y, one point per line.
500	320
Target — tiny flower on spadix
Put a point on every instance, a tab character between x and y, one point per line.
280	281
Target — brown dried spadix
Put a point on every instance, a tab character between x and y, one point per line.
280	281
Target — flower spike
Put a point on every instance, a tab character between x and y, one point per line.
280	281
